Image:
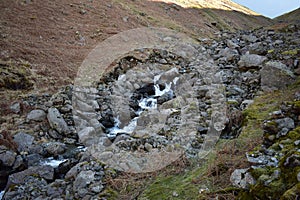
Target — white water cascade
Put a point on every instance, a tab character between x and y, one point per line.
144	104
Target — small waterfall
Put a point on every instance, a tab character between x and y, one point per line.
145	104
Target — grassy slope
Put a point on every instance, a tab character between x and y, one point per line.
212	174
291	17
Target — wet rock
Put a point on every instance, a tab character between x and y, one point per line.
165	97
24	141
36	115
242	178
55	148
33	159
57	122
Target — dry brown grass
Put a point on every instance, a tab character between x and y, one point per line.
7	140
131	185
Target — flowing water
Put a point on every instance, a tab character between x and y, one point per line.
145	104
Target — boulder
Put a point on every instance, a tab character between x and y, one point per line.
24	141
251	61
36	115
83	179
7	158
57	122
19	178
87	136
229	54
275	75
242	178
55	148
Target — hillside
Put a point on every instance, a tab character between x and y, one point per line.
55	36
290	17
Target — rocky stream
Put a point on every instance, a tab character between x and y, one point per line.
149	108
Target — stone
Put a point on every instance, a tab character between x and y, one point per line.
285	123
57	122
97	188
242	178
121	110
257	48
251	61
165	97
87	136
19	178
33	159
292	161
105	141
168	77
246	103
36	115
15	107
231	44
19	163
24	141
148	147
83	179
83	106
7	158
121	137
55	148
54	134
229	54
275	75
250	38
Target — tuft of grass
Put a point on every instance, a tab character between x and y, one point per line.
291	52
6	140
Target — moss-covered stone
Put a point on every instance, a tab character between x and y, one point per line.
291	52
15	76
292	193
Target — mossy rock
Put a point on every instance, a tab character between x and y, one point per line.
15	76
296	107
291	52
267	188
292	193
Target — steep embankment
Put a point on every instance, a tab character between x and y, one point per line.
291	17
55	36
